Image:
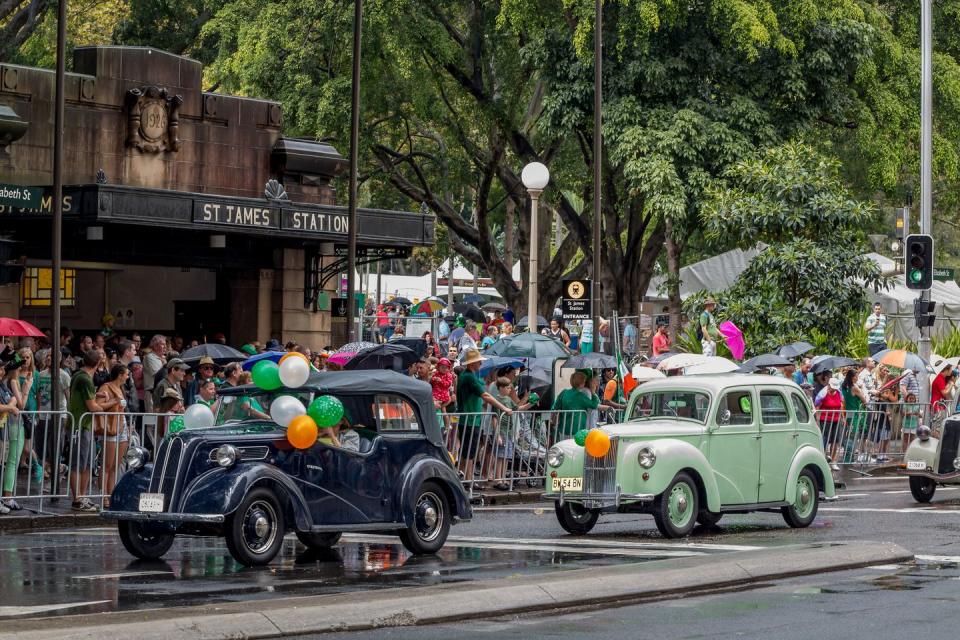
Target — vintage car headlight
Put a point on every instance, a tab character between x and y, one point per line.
136	457
555	456
956	463
226	455
923	433
646	457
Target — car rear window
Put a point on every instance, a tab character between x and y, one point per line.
394	415
773	408
800	408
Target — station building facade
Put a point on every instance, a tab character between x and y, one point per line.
184	211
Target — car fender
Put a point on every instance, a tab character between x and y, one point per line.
222	490
805	456
420	469
673	456
923	450
126	493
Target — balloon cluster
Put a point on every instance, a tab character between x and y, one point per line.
303	428
303	424
292	371
595	441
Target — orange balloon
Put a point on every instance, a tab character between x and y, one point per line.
293	354
597	443
302	432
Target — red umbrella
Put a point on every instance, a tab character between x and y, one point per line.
19	328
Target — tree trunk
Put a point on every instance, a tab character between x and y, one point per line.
508	236
673	282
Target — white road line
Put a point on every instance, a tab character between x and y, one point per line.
534	510
927	510
127	574
939	490
570	542
9	611
853	495
938	558
602	551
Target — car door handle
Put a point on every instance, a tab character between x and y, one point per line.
796	435
757	436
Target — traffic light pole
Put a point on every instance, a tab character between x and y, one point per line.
926	142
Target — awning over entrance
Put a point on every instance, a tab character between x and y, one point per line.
281	220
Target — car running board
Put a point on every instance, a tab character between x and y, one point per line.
370	526
757	506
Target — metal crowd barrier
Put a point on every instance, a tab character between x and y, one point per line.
492	447
862	439
56	442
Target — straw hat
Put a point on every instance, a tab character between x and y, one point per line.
472	356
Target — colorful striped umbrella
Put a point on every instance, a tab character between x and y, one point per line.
428	307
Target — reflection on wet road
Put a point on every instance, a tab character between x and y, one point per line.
69	572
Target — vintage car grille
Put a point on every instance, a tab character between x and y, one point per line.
949	445
600	474
256	452
166	470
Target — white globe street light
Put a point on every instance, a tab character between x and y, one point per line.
535	177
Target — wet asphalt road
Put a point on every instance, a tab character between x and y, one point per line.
88	571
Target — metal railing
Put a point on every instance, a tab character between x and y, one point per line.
876	434
507	450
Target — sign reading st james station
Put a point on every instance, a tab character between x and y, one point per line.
233	214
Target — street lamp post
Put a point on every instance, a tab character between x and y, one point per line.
535	177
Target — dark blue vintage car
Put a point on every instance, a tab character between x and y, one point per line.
244	481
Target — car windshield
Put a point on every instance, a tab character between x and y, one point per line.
689	405
253	406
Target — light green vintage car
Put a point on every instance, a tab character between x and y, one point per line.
932	461
693	448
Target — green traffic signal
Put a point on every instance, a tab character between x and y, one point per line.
916	275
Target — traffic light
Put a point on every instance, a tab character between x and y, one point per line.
919	261
924	312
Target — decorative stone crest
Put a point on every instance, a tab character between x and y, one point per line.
153	121
273	190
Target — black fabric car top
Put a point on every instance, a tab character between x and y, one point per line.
366	383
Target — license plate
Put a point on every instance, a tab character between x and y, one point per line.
151	502
916	465
568	484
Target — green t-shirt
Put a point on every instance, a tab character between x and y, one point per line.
707	320
470	392
573	400
81	390
31	404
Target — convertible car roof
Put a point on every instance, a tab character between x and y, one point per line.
366	382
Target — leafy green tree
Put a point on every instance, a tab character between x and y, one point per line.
811	274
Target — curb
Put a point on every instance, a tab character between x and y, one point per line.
41	522
606	586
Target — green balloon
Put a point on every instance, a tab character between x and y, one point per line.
266	375
580	436
176	425
326	411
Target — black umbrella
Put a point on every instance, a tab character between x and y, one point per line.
534	380
500	345
765	360
525	322
384	356
592	360
220	353
532	345
470	311
404	301
794	349
417	345
494	306
829	363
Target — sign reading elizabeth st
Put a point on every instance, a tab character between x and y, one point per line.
14	198
231	214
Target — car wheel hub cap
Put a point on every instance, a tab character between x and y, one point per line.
260	528
679	505
804	496
429	516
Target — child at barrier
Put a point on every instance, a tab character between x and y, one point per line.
504	437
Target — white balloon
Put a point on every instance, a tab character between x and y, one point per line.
198	416
294	372
285	408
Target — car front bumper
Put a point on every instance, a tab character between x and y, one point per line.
201	518
595	500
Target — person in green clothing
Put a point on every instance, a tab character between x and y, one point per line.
471	396
575	399
708	328
207	394
854	402
27	389
83	401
